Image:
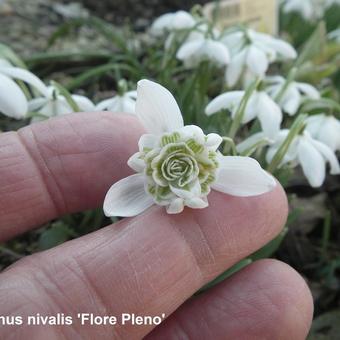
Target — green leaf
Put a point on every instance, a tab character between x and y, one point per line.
8	54
58	233
64	92
270	248
313	46
320	105
234	269
326	326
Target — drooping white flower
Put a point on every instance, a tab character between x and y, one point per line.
311	154
120	103
13	102
54	104
325	129
259	105
171	22
310	10
252	53
178	165
293	96
199	49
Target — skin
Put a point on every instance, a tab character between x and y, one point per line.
147	265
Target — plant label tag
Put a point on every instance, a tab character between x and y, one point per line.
261	15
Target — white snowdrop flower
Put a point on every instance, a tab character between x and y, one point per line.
310	10
326	129
13	102
252	53
54	104
178	165
311	154
120	103
293	96
195	51
171	22
259	105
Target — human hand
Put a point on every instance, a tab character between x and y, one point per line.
147	265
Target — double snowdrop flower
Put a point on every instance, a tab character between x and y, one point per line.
311	154
294	94
54	104
252	53
259	105
125	102
178	165
326	129
13	102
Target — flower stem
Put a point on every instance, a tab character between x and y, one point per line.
290	78
241	109
62	90
229	143
296	129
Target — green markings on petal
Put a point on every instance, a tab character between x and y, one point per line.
168	139
194	146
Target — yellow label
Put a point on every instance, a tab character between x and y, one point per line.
261	15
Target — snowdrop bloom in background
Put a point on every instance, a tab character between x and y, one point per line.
325	129
310	10
171	22
54	104
13	102
252	53
311	154
199	49
259	105
178	165
125	102
293	96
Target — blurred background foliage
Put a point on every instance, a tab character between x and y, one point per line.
83	45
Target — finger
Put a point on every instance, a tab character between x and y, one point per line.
266	300
147	265
62	165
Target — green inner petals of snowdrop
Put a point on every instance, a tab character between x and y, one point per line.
178	162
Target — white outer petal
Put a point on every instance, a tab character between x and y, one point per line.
329	133
257	61
157	109
127	197
84	103
228	100
106	104
147	141
291	100
309	90
136	163
176	206
235	68
216	52
312	163
13	102
26	76
329	156
269	114
242	176
190	51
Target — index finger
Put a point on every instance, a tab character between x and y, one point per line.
62	165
